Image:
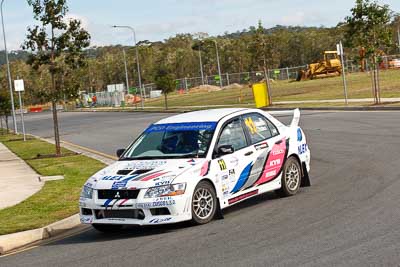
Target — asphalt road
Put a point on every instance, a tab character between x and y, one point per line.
349	217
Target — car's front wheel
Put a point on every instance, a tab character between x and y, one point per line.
204	203
291	177
107	228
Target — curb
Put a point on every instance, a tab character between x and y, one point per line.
12	241
365	108
17	240
339	109
131	110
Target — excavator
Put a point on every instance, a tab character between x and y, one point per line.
328	67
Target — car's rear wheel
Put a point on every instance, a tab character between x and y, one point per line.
107	228
204	203
291	177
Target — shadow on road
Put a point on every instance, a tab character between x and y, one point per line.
94	236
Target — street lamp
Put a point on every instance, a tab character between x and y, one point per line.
8	70
201	65
137	60
219	67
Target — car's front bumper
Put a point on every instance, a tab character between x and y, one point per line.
139	211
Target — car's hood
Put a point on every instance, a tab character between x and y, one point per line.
144	173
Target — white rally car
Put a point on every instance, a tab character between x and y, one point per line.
193	165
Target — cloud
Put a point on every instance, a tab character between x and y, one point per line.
296	19
84	20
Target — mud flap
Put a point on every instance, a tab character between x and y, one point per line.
305	180
218	213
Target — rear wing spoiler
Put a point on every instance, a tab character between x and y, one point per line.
296	116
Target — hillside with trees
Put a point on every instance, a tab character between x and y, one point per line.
241	51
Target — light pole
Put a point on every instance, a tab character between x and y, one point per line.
126	72
398	36
8	70
219	66
201	66
137	61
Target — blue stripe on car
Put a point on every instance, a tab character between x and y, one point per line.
242	178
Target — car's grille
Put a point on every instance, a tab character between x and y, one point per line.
117	194
119	214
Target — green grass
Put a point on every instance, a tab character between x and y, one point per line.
359	86
57	199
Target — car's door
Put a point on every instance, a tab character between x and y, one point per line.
270	149
233	169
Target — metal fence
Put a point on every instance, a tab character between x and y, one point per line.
276	76
107	99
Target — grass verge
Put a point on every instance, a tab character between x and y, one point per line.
359	86
57	199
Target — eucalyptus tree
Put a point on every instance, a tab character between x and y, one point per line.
55	43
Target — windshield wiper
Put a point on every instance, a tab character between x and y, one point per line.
137	158
193	155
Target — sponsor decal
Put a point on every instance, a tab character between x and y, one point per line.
232	175
243	196
161	220
205	168
122	184
162	183
261	146
164	180
301	149
86	219
157	203
113	177
299	135
224	188
224	177
250	125
277	152
191	162
274	162
222	164
173	127
234	161
270	173
145	165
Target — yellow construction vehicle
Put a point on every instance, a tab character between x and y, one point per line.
328	67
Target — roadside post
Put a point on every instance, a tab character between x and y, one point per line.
19	87
339	47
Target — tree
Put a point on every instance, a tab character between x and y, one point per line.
165	82
5	107
54	43
369	27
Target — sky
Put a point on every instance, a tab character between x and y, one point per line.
156	20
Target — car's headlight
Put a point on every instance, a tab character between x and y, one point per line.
87	192
166	190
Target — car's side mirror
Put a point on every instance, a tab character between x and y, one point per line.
225	150
120	152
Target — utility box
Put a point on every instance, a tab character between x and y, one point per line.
260	93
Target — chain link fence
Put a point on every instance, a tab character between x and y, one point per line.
282	82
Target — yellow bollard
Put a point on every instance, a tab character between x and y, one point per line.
260	93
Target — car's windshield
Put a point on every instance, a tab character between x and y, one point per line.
173	140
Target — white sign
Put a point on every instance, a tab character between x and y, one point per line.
19	85
339	48
111	88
